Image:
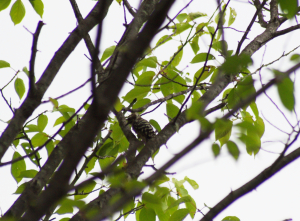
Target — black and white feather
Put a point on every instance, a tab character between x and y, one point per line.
141	127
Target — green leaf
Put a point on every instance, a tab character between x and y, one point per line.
147	214
206	73
181	17
4	4
141	103
17	167
118	105
107	53
150	62
117	132
290	7
179	215
178	57
38	6
39	139
84	191
105	162
222	128
163	40
141	91
232	16
19	87
193	183
295	57
155	125
181	200
42	122
231	218
192	207
59	120
128	207
181	27
259	126
218	46
90	165
201	57
193	15
252	141
149	198
172	111
26	147
195	45
216	149
50	147
254	109
234	64
17	12
233	149
64	209
285	90
4	64
28	174
32	128
20	188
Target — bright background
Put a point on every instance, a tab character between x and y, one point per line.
275	200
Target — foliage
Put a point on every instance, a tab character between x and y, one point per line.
239	126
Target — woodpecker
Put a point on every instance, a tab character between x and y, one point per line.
141	127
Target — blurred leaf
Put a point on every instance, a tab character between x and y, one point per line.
201	57
285	90
172	111
233	149
3	64
17	12
163	40
232	16
193	183
148	62
118	105
216	149
19	87
222	128
194	44
179	215
181	17
84	191
128	207
259	126
147	214
90	165
193	15
206	73
290	7
17	167
234	64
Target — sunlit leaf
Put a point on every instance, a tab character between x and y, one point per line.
19	87
17	167
39	139
17	12
38	6
42	122
222	128
193	183
179	215
84	191
107	53
4	64
147	214
163	40
231	218
216	149
21	188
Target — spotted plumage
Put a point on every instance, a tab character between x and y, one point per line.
141	127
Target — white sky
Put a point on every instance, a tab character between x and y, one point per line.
275	200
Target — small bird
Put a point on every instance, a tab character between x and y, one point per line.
141	127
